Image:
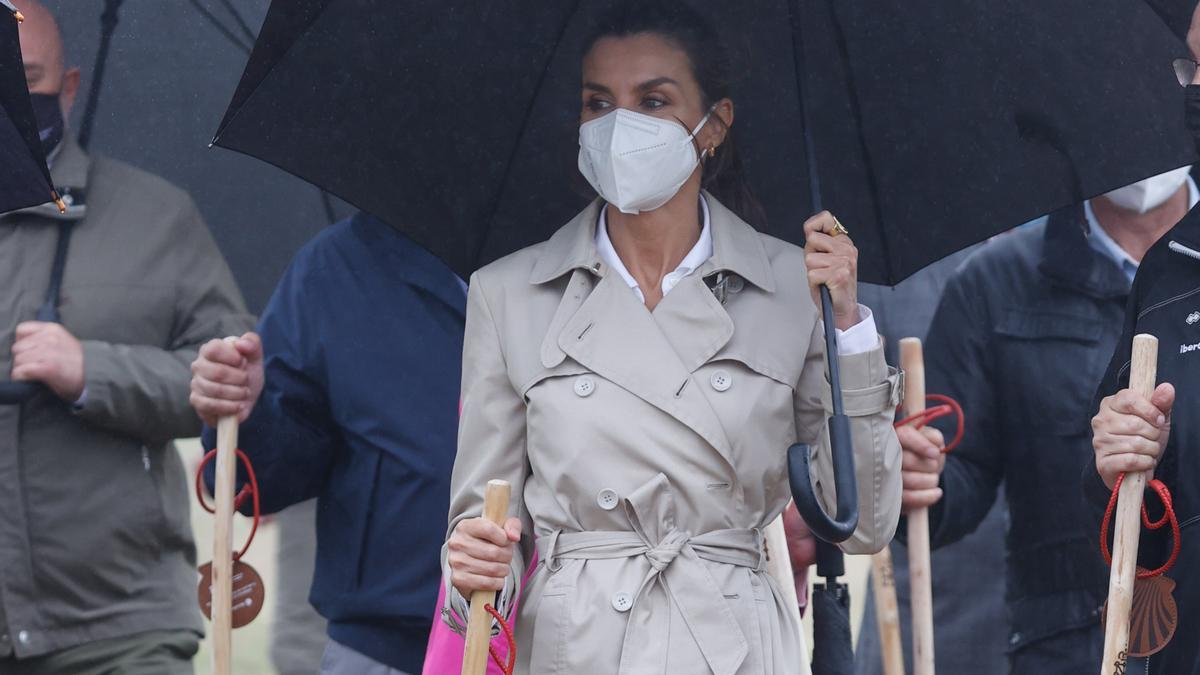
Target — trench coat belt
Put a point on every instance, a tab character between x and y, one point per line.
676	577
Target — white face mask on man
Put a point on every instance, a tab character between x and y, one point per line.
637	162
1151	193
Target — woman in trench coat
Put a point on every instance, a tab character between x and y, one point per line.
638	379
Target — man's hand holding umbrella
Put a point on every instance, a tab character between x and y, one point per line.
47	352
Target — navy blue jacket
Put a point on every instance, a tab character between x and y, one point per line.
1021	339
363	342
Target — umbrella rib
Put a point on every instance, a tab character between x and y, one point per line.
237	18
216	23
512	157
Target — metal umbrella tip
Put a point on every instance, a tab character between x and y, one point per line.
62	207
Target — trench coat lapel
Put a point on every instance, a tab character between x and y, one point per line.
614	335
601	324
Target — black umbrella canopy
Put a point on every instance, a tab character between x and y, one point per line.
170	71
936	124
24	178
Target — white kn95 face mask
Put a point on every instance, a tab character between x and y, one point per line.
637	162
1151	193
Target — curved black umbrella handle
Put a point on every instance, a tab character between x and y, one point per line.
16	393
838	528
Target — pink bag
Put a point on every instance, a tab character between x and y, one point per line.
444	654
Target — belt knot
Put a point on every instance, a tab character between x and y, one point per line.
664	553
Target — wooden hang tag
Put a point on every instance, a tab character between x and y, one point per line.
248	593
1153	616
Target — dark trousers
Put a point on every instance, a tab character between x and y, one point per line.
1070	653
160	652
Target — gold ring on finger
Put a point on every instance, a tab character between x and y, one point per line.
838	228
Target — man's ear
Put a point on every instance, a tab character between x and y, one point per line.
70	87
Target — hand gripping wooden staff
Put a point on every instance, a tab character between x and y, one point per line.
1143	373
912	360
479	625
887	612
222	561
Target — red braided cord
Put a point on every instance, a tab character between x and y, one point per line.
507	669
949	407
1164	495
248	490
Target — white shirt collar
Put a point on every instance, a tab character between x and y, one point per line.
1100	240
700	253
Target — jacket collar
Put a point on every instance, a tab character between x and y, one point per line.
411	262
1069	260
71	164
737	248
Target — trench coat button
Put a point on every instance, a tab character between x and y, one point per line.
735	284
622	602
721	381
584	386
23	637
607	499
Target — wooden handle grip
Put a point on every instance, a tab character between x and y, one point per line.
222	561
887	612
479	625
912	360
1143	373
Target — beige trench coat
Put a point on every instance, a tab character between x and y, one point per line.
647	449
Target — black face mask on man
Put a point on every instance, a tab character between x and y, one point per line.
1191	115
51	126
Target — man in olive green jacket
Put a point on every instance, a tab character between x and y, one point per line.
97	562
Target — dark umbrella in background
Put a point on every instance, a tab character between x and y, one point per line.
150	99
24	178
931	126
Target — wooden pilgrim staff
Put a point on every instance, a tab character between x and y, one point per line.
479	625
887	612
222	561
912	360
1143	373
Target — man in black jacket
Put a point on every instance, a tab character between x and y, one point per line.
1021	339
1136	434
1132	433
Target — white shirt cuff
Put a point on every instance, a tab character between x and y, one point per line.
861	337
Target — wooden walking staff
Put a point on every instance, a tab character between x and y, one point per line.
222	561
1143	373
912	360
887	612
479	625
